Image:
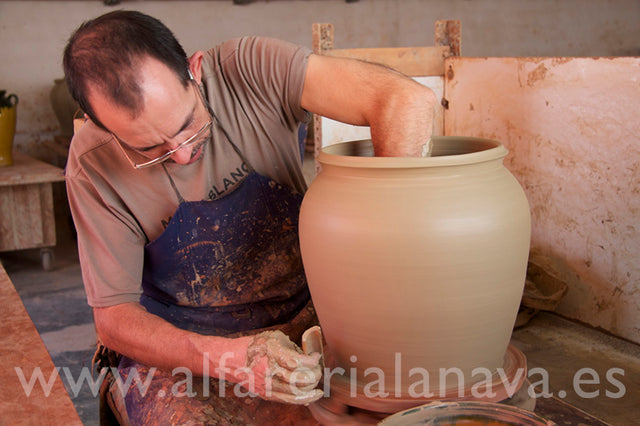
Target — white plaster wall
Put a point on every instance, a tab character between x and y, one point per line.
33	33
572	130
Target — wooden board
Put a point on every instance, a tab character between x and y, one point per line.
22	348
27	217
411	61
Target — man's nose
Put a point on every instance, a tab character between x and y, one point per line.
183	155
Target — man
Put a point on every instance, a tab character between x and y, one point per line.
185	184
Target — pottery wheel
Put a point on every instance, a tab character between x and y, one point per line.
342	408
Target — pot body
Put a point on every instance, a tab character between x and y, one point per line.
416	265
7	132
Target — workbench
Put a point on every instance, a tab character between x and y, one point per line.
26	204
22	354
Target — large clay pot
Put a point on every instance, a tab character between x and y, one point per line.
415	263
64	106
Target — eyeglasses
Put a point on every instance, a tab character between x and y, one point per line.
200	136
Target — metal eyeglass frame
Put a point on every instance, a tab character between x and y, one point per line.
190	141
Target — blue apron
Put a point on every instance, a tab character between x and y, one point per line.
229	265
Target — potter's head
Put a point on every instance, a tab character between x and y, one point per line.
130	75
104	58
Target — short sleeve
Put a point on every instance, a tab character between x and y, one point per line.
274	70
110	242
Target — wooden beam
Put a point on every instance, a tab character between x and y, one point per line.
411	61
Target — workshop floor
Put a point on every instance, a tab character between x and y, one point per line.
595	372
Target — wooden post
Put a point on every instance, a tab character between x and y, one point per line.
448	34
322	38
322	41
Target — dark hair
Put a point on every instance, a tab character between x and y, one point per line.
106	51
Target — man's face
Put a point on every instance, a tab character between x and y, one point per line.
171	115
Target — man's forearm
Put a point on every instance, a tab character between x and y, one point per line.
132	331
399	110
267	364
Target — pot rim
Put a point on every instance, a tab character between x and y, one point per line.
482	150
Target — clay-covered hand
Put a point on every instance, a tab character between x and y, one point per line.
281	371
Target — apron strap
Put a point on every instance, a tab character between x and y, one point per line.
224	131
173	184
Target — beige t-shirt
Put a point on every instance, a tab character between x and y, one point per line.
254	86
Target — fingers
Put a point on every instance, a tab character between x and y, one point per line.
307	361
301	378
303	398
288	374
280	352
285	356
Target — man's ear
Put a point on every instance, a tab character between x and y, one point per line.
195	62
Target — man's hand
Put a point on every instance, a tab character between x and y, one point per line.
276	369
